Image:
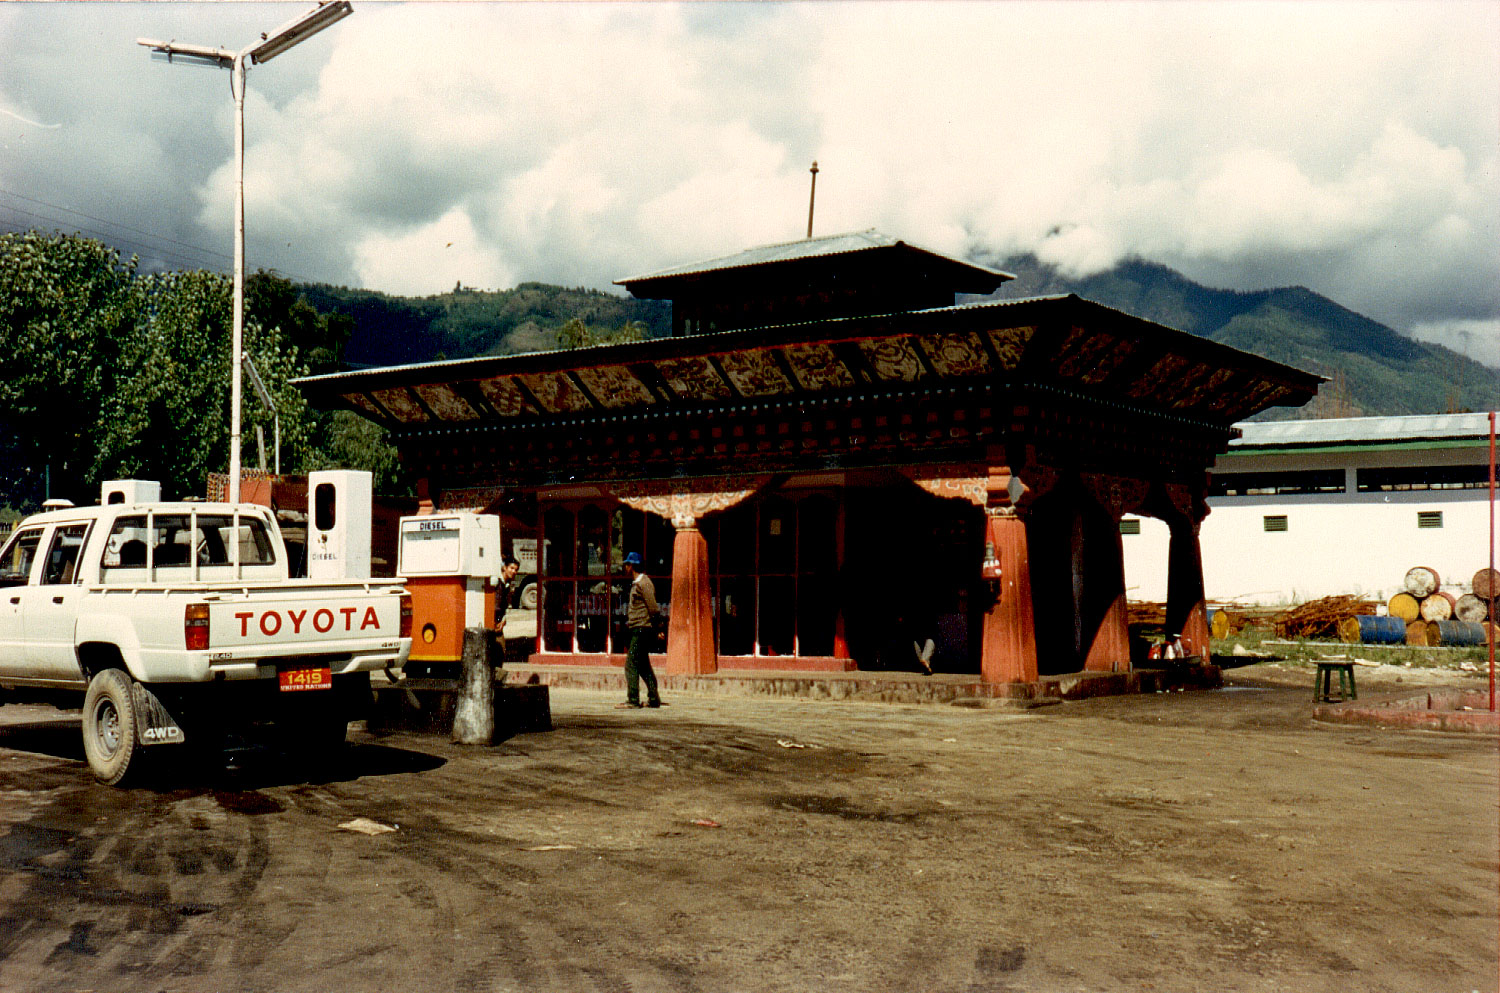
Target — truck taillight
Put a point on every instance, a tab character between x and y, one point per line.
195	627
405	615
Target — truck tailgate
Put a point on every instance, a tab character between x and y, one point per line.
329	622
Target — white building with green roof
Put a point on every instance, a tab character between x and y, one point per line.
1305	509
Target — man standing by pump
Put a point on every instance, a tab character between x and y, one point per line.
641	609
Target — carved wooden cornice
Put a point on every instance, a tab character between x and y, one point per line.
684	501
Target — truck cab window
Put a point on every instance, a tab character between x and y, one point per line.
16	559
216	538
62	557
171	540
126	547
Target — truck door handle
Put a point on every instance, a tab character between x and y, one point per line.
15	599
57	599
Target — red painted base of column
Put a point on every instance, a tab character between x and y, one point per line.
690	634
1195	632
1110	651
1009	652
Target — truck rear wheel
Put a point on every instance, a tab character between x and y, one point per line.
109	726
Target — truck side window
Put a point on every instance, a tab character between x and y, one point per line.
62	557
16	559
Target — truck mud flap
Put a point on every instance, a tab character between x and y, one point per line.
154	723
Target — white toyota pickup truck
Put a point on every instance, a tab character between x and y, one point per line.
173	623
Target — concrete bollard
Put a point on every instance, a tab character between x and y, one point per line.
474	717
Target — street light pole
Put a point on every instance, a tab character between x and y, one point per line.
237	84
267	48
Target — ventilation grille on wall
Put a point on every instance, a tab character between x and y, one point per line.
1130	527
1429	518
1274	522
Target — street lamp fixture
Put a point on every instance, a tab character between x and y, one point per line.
266	48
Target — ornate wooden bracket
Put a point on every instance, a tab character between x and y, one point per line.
684	501
955	482
1191	502
1011	490
1116	494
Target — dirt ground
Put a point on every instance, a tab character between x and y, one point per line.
1174	842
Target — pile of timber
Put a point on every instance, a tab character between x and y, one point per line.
1145	613
1320	618
1425	615
1229	619
1224	619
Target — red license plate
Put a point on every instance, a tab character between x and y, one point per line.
306	679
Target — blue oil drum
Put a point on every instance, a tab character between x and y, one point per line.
1381	630
1460	633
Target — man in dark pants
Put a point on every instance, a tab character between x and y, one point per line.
641	608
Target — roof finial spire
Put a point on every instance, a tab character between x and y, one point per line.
812	197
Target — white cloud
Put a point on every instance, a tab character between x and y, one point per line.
1348	147
449	249
1479	340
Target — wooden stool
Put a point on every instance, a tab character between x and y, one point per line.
1323	682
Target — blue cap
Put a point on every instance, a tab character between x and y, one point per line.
633	558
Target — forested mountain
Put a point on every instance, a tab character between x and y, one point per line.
1373	369
392	330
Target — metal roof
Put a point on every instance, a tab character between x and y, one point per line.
1362	430
809	248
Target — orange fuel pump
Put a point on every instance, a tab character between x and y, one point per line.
451	565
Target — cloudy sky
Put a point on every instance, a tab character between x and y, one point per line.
1350	147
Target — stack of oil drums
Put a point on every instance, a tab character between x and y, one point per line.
1431	616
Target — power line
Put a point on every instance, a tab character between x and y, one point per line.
158	251
115	224
122	243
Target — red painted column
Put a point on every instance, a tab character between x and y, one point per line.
690	632
1187	613
1110	650
1009	647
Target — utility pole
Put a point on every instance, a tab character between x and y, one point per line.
812	197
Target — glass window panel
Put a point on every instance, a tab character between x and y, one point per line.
737	541
627	529
62	557
737	616
660	536
817	612
778	613
778	537
557	542
818	533
557	616
619	588
593	547
216	540
593	614
15	563
126	545
172	540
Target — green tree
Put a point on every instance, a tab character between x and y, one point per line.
66	311
576	334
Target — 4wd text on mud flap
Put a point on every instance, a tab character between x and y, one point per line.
322	621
